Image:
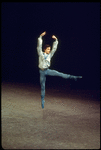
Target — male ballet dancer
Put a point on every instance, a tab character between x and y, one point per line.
44	64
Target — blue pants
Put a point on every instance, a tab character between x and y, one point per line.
49	72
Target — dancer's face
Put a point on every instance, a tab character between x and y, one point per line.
47	50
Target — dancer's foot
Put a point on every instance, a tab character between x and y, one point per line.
75	77
79	76
42	103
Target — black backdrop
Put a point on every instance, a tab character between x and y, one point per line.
77	27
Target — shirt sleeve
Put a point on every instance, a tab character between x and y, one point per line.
54	47
39	46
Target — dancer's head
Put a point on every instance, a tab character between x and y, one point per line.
47	48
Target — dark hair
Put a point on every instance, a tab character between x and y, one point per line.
47	45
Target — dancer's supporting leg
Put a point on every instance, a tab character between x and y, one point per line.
42	83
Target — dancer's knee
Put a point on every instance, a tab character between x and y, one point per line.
42	87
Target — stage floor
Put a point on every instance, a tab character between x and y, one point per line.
68	121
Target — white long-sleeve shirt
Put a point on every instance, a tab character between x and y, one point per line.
45	59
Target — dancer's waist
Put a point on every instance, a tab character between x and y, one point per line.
43	69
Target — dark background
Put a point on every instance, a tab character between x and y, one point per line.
77	27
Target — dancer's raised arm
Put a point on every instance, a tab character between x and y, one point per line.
39	44
55	43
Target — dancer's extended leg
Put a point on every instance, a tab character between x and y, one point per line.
60	74
57	73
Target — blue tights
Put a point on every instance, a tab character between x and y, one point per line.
49	72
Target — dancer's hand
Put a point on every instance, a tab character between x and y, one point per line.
54	37
42	34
